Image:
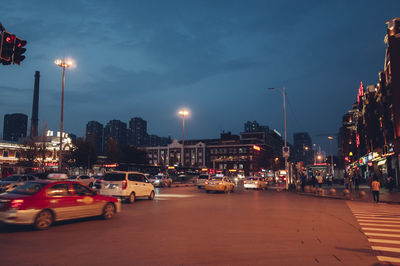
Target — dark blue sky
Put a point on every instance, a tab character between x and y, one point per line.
217	58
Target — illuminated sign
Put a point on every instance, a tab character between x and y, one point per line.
232	170
360	93
171	167
257	148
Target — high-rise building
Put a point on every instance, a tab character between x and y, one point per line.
15	126
94	135
115	129
302	148
138	132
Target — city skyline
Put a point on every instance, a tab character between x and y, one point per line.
129	64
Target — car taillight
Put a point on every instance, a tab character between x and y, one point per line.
245	182
284	178
256	182
124	184
16	204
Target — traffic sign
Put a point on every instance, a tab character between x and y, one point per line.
285	152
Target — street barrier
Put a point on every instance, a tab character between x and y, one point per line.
307	189
314	189
332	191
347	193
363	194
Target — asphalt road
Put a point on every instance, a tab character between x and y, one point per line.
186	226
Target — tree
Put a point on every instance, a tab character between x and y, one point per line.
29	154
84	154
131	154
112	151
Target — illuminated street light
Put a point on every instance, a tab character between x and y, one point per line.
64	63
332	169
183	113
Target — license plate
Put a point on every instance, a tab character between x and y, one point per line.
112	186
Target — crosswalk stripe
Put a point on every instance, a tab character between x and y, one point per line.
384	241
375	213
386	249
383	225
388	259
378	221
378	218
380	229
380	234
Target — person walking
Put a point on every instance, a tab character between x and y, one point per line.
375	186
330	180
303	181
320	180
356	180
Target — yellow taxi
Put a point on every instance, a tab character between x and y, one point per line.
219	183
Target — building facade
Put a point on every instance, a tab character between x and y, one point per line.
116	130
137	133
302	148
94	135
15	126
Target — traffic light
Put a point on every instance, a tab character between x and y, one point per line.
6	47
19	50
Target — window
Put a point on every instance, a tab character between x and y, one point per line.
5	153
82	190
31	178
59	190
29	188
84	177
139	178
114	177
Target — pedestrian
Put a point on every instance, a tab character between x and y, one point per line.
313	179
375	186
330	180
320	180
303	181
356	180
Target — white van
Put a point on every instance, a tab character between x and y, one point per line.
126	185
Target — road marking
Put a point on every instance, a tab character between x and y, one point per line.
378	218
174	196
383	241
379	221
385	249
380	234
388	259
380	229
384	225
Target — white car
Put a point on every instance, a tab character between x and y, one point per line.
254	182
201	180
126	185
84	179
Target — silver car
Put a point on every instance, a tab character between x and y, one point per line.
12	181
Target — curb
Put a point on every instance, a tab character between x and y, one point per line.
342	198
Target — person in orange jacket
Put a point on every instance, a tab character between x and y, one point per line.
375	186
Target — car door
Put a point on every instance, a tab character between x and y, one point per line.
87	204
139	184
60	201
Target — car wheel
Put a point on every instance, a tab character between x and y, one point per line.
43	220
131	198
151	197
108	211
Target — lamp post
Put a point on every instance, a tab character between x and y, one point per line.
284	120
332	169
64	64
183	113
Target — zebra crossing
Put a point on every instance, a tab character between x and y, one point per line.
381	224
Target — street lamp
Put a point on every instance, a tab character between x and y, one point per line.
64	63
333	172
183	113
284	119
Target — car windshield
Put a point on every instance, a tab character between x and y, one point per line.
114	177
11	178
72	177
29	188
203	176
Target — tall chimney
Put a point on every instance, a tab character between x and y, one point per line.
35	107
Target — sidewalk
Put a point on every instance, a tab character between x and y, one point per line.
384	196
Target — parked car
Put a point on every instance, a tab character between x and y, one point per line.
201	179
84	179
12	181
161	180
44	202
254	182
99	178
127	186
223	184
